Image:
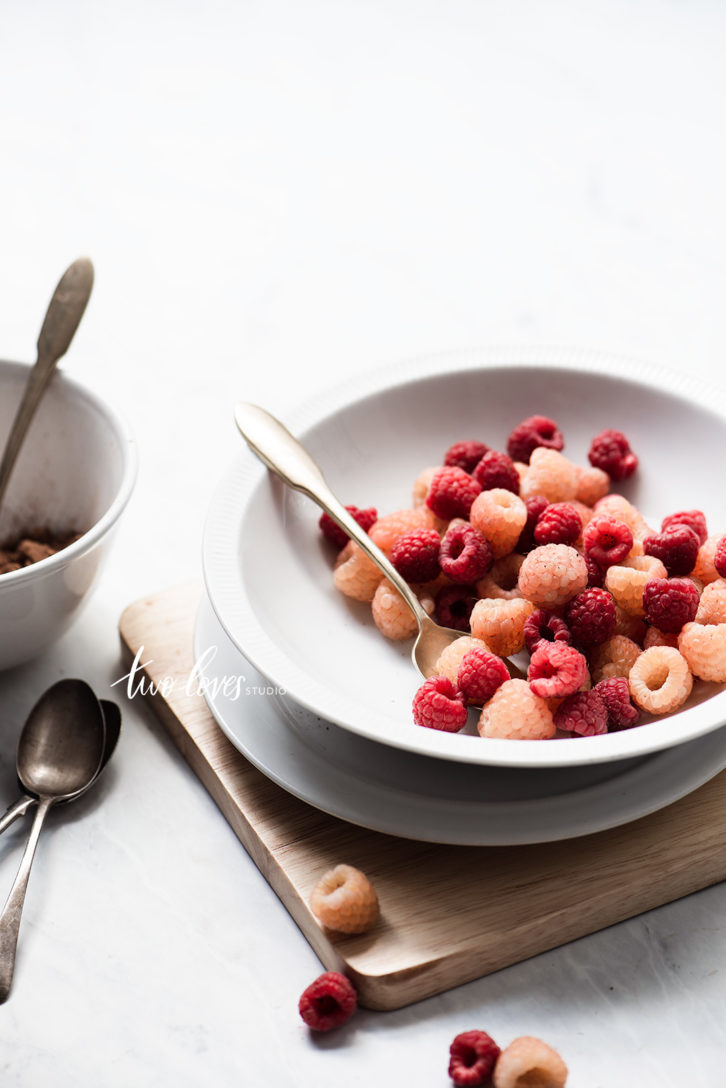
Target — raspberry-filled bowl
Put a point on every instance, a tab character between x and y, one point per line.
275	581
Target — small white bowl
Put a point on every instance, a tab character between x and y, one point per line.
75	473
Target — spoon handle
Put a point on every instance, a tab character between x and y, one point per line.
12	911
62	318
11	814
281	452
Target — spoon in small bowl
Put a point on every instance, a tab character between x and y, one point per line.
284	455
65	310
60	752
112	720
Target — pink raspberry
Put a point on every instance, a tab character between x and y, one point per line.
530	433
676	547
438	704
546	627
497	470
451	493
465	555
556	669
416	555
559	523
615	694
669	603
471	1058
480	674
607	540
536	505
583	713
466	455
694	519
337	536
454	605
719	557
591	617
328	1002
611	452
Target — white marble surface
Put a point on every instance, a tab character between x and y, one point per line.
276	195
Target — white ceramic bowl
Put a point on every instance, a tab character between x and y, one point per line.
269	574
75	473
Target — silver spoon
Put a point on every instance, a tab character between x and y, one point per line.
282	453
60	752
112	720
62	318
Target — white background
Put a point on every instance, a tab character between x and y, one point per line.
277	195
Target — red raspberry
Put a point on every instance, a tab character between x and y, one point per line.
719	557
615	693
595	573
536	505
607	540
451	493
333	532
556	669
694	519
676	547
480	674
466	455
543	626
465	554
416	555
560	523
497	470
670	603
591	617
328	1002
530	433
454	605
473	1054
438	704
583	713
611	452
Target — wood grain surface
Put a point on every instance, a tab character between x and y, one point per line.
519	901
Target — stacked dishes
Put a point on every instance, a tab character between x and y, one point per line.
337	729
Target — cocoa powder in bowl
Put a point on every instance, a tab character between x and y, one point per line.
33	546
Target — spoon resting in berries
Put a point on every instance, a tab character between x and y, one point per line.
285	456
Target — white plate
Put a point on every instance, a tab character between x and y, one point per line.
427	799
269	574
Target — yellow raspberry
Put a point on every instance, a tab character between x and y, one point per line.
500	623
502	579
592	484
712	605
345	900
421	485
529	1063
627	580
500	515
550	474
391	614
704	647
619	507
628	625
452	656
654	637
704	569
552	575
615	657
514	712
660	680
390	528
356	575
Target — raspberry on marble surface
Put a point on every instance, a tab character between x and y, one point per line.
497	470
694	519
500	515
471	1058
500	623
438	704
660	680
355	575
415	555
337	536
532	432
451	493
453	607
466	454
676	547
550	474
615	694
552	575
514	712
465	554
607	540
704	647
582	713
480	674
556	670
452	656
712	603
345	900
669	603
611	452
328	1002
529	1063
591	617
559	523
543	626
502	580
391	614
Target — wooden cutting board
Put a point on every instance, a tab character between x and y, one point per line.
448	914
